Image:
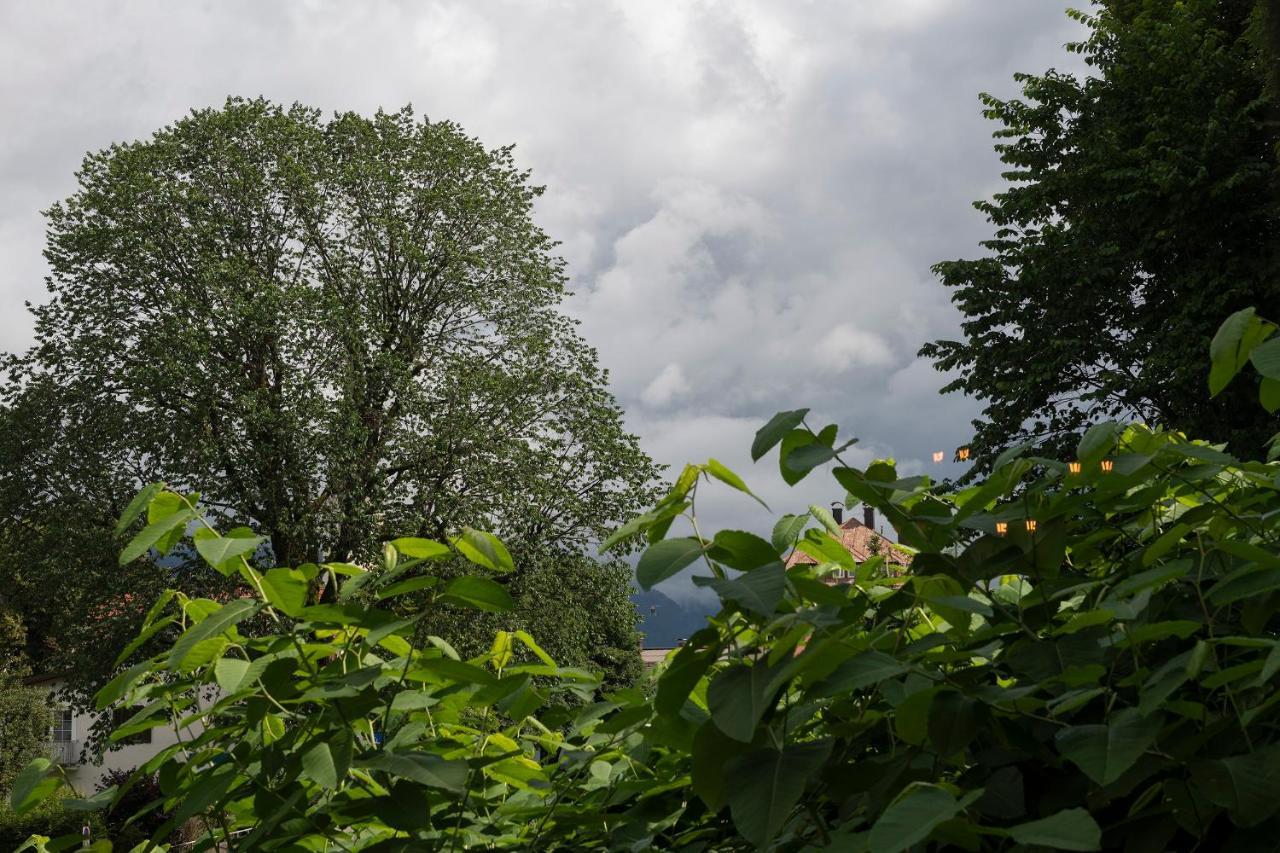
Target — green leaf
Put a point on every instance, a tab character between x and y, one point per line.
286	590
327	765
1232	345
1244	583
481	593
423	767
953	722
1097	441
483	549
1105	752
768	784
35	783
1070	829
738	699
718	470
911	818
740	550
663	559
787	531
1246	785
229	673
712	750
224	552
759	590
862	670
824	517
407	586
1266	358
772	432
421	549
213	625
1269	394
681	676
140	502
151	535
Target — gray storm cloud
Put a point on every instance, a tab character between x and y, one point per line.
749	194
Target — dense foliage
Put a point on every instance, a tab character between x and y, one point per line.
1082	656
1143	205
339	330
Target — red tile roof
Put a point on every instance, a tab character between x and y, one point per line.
857	538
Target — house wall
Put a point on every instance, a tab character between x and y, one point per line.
85	776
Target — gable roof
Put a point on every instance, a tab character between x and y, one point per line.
857	538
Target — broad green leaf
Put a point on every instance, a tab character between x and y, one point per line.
1244	583
223	552
681	675
36	782
1269	394
140	502
421	549
1246	785
911	818
772	432
759	590
151	535
717	469
229	673
322	765
286	590
423	767
118	686
787	531
824	517
663	559
1105	752
483	549
481	593
1070	829
407	586
1097	441
712	749
740	550
953	722
862	670
738	699
1232	345
210	627
1266	358
767	784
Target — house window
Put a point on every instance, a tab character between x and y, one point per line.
119	717
62	725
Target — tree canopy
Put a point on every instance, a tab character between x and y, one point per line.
1143	205
335	329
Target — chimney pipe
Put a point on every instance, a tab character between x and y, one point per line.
869	516
837	512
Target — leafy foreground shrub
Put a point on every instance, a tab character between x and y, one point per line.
1079	658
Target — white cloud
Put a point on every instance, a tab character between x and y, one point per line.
749	194
666	386
846	347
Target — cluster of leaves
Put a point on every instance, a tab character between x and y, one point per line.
1081	656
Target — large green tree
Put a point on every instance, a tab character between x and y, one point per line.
339	331
1143	205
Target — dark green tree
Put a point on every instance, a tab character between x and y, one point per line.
1143	205
340	330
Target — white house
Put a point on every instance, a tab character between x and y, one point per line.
70	732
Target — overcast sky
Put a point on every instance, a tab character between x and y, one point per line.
749	194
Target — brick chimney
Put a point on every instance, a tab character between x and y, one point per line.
869	516
837	512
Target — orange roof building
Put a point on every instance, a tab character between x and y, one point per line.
863	541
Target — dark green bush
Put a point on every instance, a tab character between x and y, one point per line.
1080	657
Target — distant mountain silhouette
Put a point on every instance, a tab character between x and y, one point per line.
671	621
